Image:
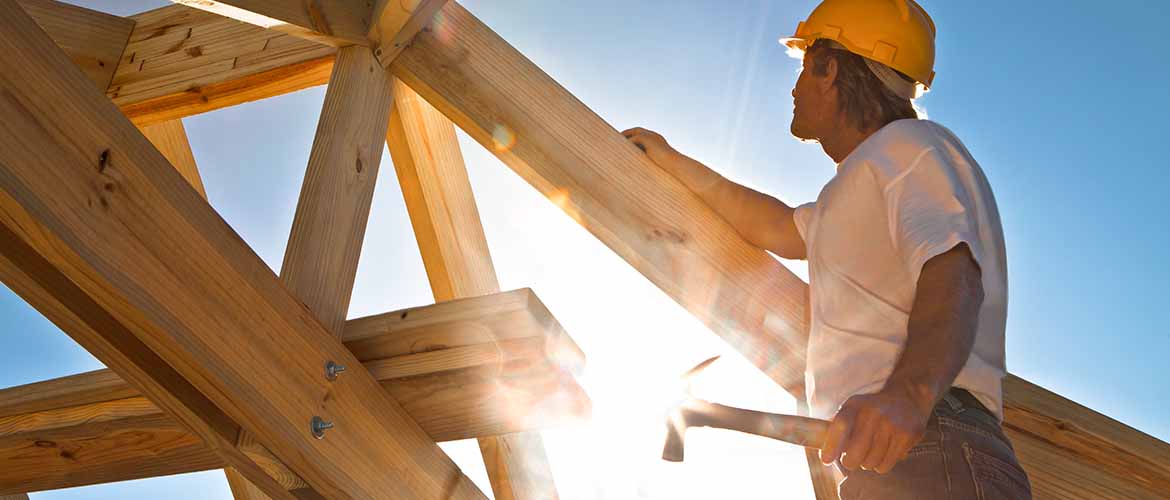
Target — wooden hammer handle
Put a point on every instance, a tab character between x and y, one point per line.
803	431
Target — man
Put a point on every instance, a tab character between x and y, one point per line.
907	266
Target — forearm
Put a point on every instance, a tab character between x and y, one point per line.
941	329
760	219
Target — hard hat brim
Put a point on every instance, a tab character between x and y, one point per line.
796	46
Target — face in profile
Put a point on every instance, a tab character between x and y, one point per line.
802	100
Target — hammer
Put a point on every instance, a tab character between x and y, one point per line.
802	431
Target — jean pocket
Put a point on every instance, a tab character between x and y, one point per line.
996	478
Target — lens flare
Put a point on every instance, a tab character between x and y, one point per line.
503	138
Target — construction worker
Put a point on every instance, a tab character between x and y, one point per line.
907	267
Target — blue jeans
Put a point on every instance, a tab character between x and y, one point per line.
963	455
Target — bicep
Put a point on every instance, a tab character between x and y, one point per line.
950	284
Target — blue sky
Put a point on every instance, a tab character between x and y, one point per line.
1062	102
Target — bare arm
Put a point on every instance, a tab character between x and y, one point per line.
874	431
762	220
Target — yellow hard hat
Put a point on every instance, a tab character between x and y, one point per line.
897	33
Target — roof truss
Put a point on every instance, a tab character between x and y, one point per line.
578	161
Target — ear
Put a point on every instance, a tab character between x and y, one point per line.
825	83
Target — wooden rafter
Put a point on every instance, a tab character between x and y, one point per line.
462	369
454	250
332	22
647	217
181	61
395	22
170	138
99	230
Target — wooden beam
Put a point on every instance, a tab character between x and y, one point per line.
181	61
395	24
171	140
641	212
321	258
96	220
454	250
332	22
1073	452
94	40
424	357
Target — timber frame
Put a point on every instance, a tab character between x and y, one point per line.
89	236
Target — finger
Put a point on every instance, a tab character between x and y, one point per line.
899	446
836	435
878	448
859	442
633	131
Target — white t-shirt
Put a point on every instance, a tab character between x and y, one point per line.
909	192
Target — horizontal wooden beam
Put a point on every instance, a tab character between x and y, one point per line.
462	369
96	223
181	61
332	22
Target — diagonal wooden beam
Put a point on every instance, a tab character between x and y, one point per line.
395	22
462	369
332	22
170	138
100	231
321	258
607	185
454	250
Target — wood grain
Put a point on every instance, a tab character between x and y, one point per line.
93	40
467	398
93	215
454	250
607	185
102	442
181	61
332	22
171	140
329	226
1071	451
395	22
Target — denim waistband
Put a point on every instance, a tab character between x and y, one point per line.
957	400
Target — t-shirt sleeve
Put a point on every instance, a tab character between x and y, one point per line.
930	211
802	216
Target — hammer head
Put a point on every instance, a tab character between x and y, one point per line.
676	425
674	447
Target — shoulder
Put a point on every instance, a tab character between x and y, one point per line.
906	145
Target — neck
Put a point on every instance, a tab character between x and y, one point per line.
842	140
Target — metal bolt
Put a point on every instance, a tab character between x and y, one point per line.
318	426
333	369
